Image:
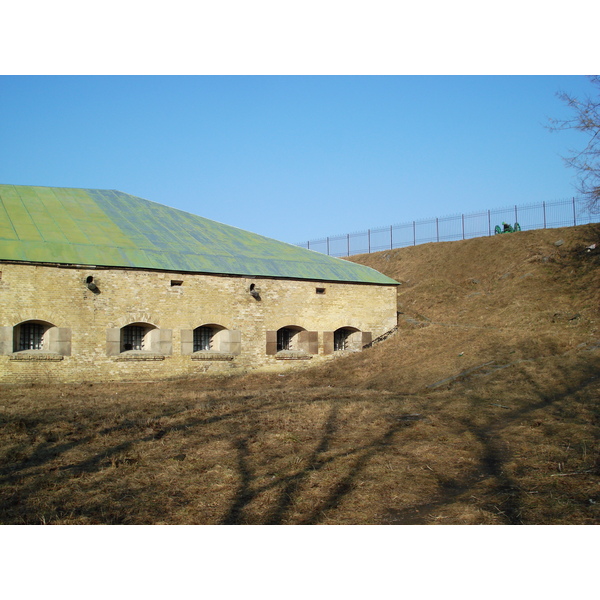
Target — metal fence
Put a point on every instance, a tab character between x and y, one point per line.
560	213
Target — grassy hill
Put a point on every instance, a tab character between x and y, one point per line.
483	408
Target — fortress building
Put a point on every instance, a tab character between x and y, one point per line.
98	285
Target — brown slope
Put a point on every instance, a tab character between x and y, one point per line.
497	300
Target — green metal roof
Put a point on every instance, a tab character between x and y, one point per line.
113	229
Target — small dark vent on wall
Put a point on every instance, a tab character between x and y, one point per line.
320	290
176	282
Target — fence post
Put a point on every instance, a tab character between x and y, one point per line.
544	211
548	222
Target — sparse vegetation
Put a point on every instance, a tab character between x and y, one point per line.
484	408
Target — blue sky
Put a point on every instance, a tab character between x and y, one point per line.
294	157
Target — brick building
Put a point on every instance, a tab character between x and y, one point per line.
99	285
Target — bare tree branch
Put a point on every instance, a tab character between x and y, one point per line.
586	162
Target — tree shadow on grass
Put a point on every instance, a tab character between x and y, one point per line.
290	487
507	491
39	469
291	483
286	496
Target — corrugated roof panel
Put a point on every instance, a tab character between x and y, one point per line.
111	228
18	214
41	206
97	226
7	231
62	215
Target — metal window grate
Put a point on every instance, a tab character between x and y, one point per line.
203	339
340	339
133	337
284	339
31	336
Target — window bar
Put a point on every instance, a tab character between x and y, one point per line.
203	339
32	336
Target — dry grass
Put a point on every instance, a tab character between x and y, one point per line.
483	409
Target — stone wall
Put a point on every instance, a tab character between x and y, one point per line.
83	338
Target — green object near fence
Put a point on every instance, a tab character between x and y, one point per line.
506	228
112	229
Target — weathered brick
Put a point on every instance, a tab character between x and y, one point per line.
89	322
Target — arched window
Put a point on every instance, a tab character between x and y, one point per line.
347	338
211	342
40	336
31	335
208	338
287	338
291	340
139	341
136	337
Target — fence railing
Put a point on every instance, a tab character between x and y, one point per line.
545	215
